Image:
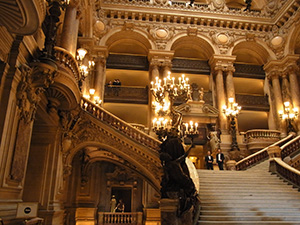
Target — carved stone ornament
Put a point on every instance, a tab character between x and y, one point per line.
161	2
121	176
217	5
273	6
27	96
223	40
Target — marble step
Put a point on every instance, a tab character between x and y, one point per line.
248	222
271	212
250	218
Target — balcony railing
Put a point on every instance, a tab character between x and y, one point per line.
107	218
120	125
258	134
260	155
126	94
65	58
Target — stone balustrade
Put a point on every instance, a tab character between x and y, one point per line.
108	218
260	155
66	58
258	139
120	125
251	135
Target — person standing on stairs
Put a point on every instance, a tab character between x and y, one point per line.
209	161
220	159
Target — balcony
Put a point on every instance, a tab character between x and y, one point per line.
108	218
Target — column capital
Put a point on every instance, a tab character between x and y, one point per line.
284	65
160	57
222	62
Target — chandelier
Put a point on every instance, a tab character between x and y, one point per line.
165	91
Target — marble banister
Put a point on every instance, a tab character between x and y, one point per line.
287	172
290	147
260	155
120	125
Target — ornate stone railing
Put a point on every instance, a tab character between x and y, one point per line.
260	155
65	58
287	172
259	134
290	147
120	125
107	218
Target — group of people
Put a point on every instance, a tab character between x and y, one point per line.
209	160
114	207
115	82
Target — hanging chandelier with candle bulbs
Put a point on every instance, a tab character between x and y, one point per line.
165	91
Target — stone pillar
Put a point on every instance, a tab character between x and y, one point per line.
286	96
221	100
154	72
70	29
166	69
230	85
274	152
100	74
295	93
278	102
168	208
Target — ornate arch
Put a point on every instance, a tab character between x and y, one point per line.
109	145
121	34
293	41
200	43
259	52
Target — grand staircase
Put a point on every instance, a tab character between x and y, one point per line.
253	196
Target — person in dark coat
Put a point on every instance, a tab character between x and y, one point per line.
209	161
220	159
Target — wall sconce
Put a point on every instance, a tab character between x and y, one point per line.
289	115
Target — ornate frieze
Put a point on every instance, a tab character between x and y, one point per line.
249	71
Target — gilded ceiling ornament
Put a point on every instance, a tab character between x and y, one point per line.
161	2
217	5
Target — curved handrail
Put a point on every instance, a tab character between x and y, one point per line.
68	60
290	147
287	172
120	125
260	155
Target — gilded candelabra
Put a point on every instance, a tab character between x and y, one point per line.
289	114
231	112
165	92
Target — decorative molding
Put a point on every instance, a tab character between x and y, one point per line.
22	17
190	66
138	95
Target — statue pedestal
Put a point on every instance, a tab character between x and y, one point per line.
169	208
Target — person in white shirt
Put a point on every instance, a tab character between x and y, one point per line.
209	161
220	159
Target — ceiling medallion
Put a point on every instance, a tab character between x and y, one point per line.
222	38
276	41
99	26
161	33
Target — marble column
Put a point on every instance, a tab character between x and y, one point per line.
278	101
100	78
221	100
166	69
70	30
295	93
286	96
230	85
